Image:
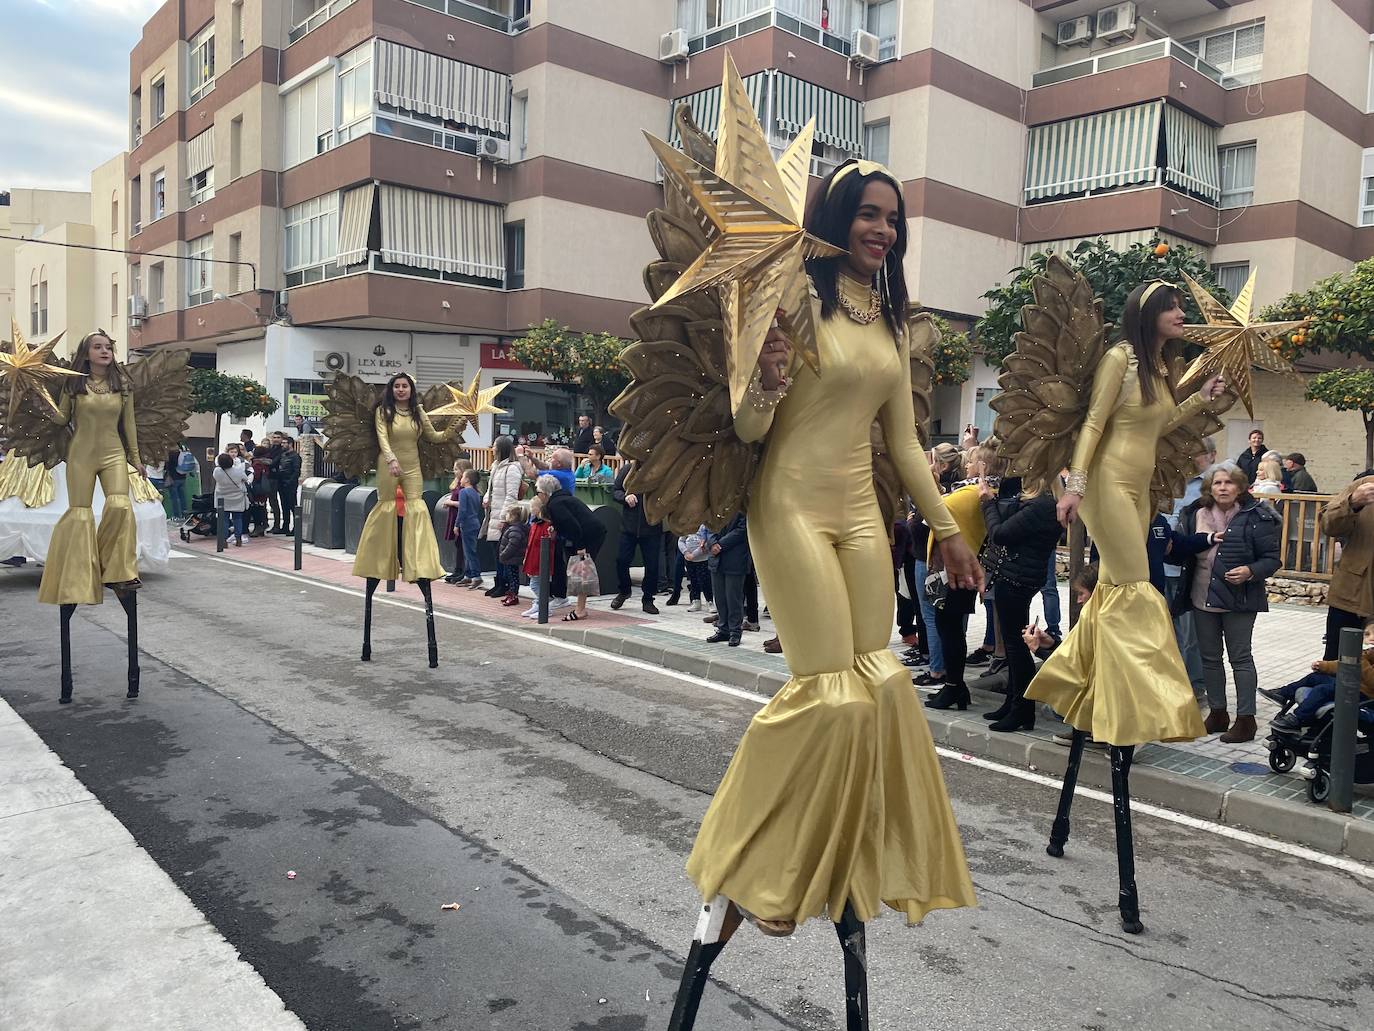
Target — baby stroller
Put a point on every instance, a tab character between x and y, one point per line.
1314	741
201	522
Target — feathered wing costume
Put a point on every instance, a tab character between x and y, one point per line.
1071	402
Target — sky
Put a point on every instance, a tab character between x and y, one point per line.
64	87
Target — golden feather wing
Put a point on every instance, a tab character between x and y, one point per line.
351	437
161	384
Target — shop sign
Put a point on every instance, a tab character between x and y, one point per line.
309	405
498	356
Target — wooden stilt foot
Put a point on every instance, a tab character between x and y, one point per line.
372	582
430	638
128	600
1129	899
718	921
1059	833
66	611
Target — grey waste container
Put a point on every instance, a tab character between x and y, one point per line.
326	524
361	501
448	550
609	517
309	487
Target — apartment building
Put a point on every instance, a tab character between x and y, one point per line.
25	293
411	183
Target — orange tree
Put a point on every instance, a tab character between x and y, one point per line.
953	356
1113	275
223	394
1341	313
585	362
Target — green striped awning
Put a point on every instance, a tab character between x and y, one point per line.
839	119
1191	151
1095	152
706	106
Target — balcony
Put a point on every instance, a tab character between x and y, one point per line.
508	16
1122	57
832	28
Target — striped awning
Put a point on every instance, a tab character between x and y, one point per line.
839	119
355	218
428	84
705	106
1190	146
447	234
200	153
1095	152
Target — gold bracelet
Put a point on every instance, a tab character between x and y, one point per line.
1076	482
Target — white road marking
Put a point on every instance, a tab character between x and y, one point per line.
1341	863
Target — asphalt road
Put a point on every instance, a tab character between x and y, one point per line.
555	794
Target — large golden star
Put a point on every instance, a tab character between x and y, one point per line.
27	368
754	209
471	402
1233	342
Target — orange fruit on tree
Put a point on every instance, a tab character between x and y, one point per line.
1161	249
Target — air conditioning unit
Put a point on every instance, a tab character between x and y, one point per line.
327	363
1116	22
672	46
494	149
138	307
1075	31
864	48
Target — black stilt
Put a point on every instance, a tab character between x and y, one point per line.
66	613
400	552
1059	833
718	921
372	582
429	622
128	600
851	933
1129	900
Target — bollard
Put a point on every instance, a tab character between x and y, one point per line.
1343	721
296	516
221	529
545	564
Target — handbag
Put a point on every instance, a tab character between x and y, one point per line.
582	576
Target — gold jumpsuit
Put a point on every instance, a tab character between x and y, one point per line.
376	556
1118	675
835	793
104	444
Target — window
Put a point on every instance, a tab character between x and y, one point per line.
155	296
202	186
43	302
1369	94
159	195
200	251
1237	175
312	238
200	68
33	305
236	30
515	256
135	286
114	215
114	298
135	205
1367	189
308	119
158	100
235	255
881	20
136	119
520	125
1238	53
355	88
1231	277
236	148
876	137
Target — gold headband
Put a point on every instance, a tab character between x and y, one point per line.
1153	287
863	168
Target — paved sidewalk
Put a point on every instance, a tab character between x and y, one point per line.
1230	783
119	938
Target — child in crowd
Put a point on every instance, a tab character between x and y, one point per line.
539	528
470	526
729	563
1042	643
510	549
693	549
1318	688
450	506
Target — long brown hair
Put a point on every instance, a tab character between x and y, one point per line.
388	400
81	362
1138	324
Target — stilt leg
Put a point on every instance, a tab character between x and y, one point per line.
1129	900
851	932
429	622
66	612
372	582
129	601
1059	833
718	921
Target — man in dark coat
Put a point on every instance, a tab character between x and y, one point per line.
1249	459
1302	482
729	562
586	436
635	532
288	480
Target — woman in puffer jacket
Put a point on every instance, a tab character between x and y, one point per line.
1227	589
1022	534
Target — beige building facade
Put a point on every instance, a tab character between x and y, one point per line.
27	293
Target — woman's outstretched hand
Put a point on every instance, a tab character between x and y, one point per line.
961	564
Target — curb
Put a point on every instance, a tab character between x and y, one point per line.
1336	834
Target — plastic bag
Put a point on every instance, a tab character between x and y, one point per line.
692	547
582	577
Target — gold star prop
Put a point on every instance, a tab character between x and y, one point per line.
753	210
1233	342
471	402
27	368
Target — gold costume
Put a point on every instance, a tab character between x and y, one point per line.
376	556
1118	675
835	793
104	444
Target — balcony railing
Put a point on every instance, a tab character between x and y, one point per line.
1125	56
798	24
515	18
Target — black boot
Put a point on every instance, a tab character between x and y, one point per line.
1000	713
1021	716
949	696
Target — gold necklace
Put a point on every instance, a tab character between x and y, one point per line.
863	316
97	386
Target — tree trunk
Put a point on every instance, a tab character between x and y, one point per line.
1368	416
219	416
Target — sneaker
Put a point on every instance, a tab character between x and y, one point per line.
1273	695
753	628
532	612
978	657
561	603
711	618
1286	724
997	665
475	584
914	662
620	599
695	606
928	679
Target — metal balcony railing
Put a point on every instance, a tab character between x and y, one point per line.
1122	57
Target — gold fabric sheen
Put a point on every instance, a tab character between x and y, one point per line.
1118	675
835	793
104	444
376	556
31	484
